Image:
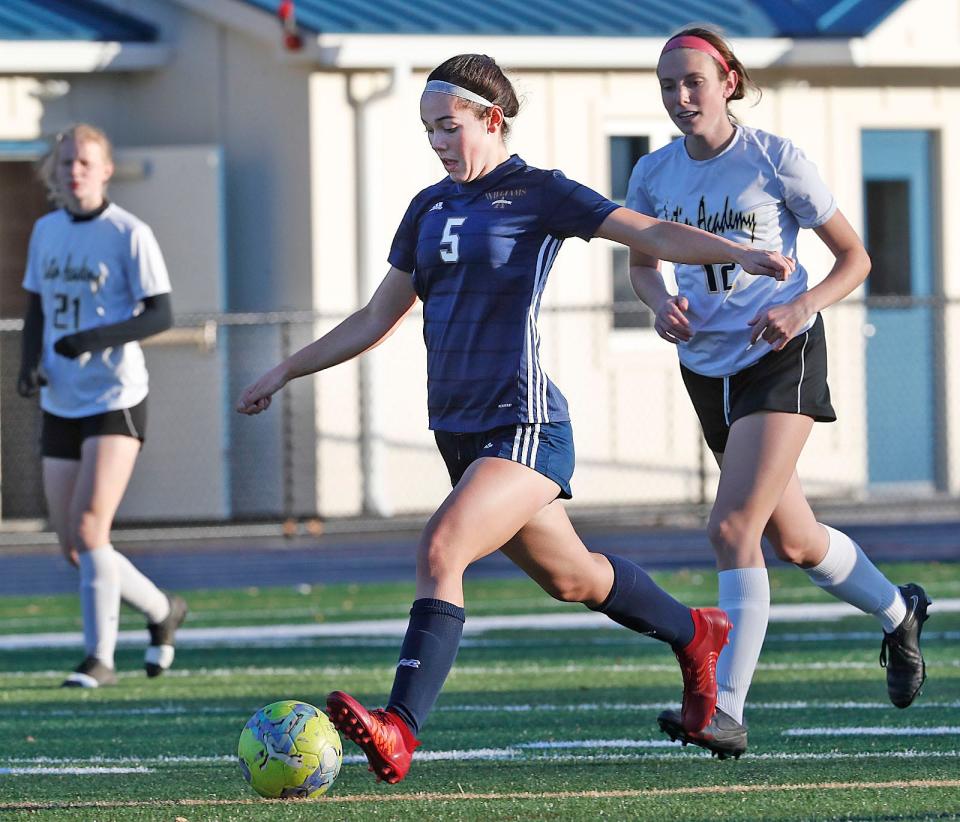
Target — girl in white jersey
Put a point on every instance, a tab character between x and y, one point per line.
97	284
753	359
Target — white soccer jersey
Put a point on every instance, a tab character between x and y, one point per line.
90	273
759	191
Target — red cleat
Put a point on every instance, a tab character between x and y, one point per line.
383	736
698	662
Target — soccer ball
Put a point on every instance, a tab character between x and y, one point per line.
289	749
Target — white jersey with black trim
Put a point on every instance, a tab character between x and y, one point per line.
90	273
759	191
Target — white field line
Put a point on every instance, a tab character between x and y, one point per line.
70	771
328	671
939	730
311	614
246	635
539	641
548	751
651	706
80	714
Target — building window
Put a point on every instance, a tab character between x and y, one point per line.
888	233
628	311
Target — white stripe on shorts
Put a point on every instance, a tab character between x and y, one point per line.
516	443
726	400
803	366
130	426
525	451
536	445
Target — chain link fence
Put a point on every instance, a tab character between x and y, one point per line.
354	440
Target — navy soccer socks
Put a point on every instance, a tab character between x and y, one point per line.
638	603
426	656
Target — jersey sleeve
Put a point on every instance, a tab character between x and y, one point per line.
638	198
804	191
574	210
31	277
403	250
148	271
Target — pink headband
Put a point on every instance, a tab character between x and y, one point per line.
691	41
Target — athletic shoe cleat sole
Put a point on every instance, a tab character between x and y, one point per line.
900	650
382	736
91	673
723	736
159	655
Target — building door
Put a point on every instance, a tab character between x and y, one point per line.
23	201
900	213
182	472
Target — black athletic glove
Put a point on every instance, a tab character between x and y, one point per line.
72	345
31	344
29	382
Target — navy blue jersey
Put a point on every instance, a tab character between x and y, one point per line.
480	253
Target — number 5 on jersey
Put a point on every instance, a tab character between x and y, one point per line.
450	242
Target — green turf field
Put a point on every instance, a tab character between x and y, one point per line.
533	724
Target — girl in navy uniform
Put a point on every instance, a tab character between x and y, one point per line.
753	359
476	249
97	284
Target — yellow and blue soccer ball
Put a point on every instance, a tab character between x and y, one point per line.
289	749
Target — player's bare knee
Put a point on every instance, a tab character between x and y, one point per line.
437	556
723	530
89	531
565	587
588	583
799	549
730	532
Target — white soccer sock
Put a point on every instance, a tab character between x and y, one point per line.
140	592
745	596
100	602
848	574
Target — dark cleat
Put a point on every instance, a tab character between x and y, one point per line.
382	735
91	673
698	662
723	736
900	651
160	652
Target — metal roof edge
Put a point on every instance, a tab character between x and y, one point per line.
358	52
383	51
371	52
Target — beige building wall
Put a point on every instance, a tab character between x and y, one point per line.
637	438
290	147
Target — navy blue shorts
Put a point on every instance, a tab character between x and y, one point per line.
547	448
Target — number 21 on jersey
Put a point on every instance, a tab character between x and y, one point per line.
450	242
65	311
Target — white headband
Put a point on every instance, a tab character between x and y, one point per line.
441	87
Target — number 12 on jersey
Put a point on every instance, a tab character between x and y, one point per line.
714	282
450	242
